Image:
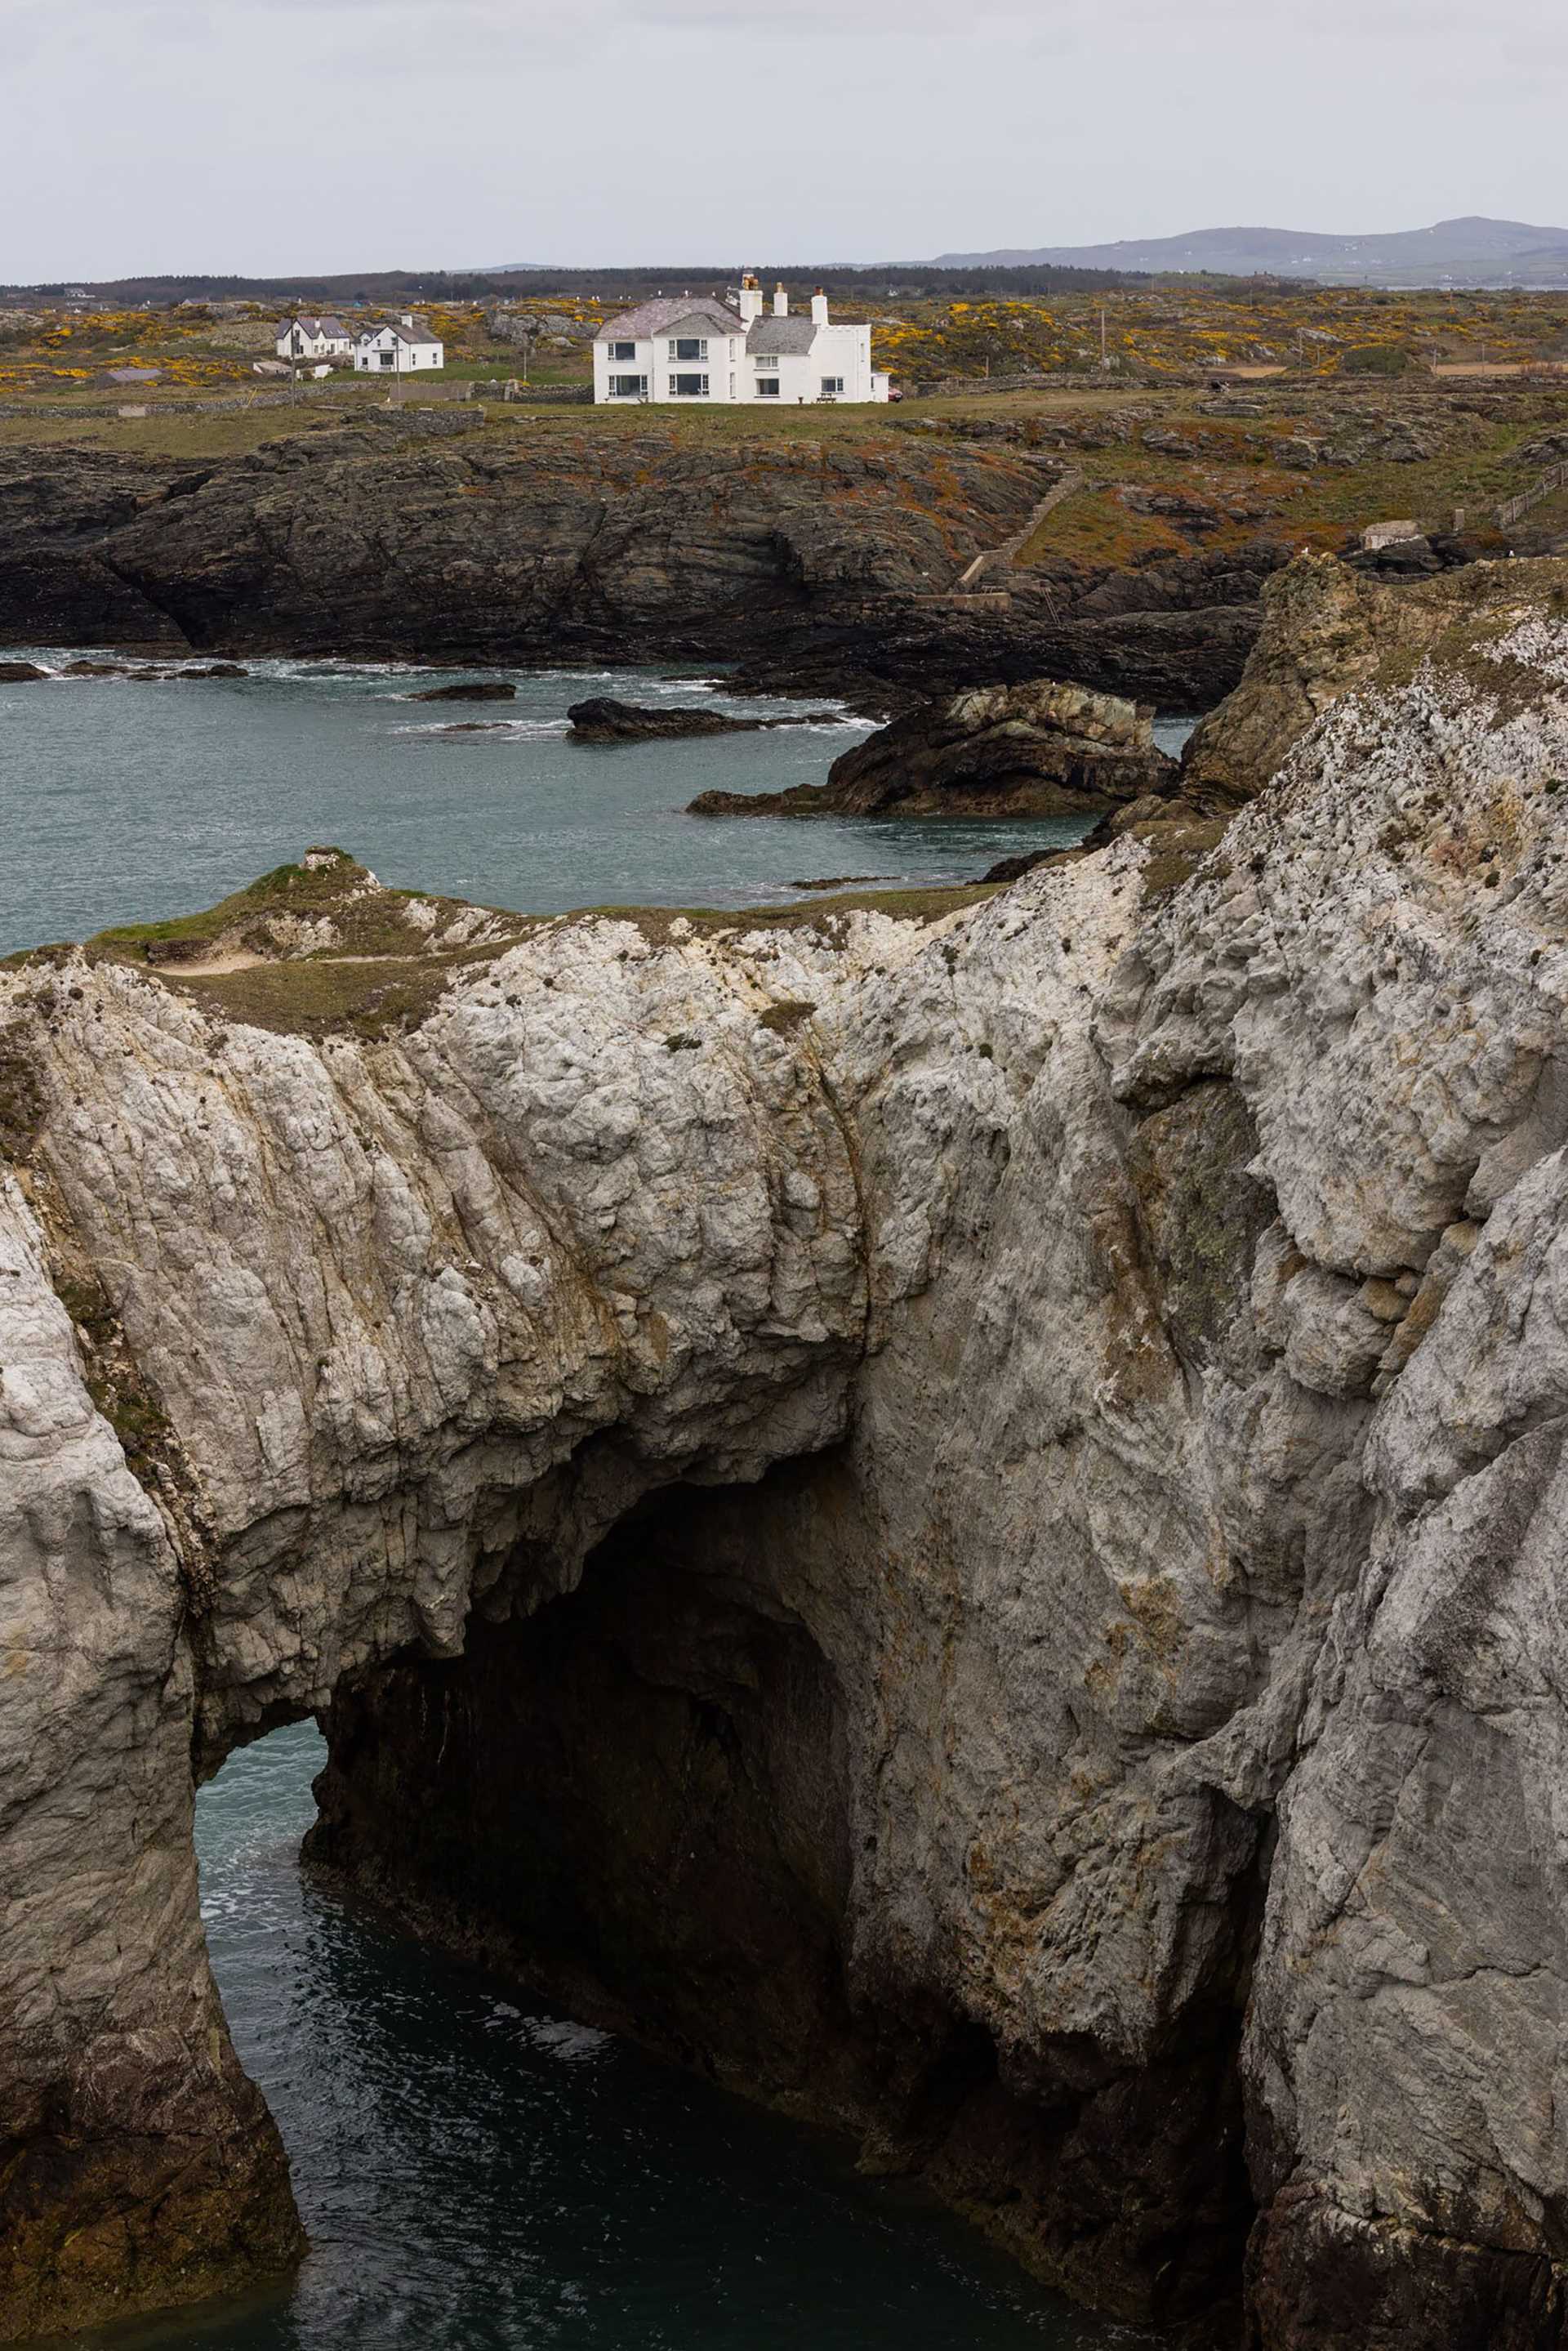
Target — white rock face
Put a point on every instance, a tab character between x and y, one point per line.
1180	1285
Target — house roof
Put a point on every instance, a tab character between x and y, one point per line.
658	317
782	335
312	325
417	333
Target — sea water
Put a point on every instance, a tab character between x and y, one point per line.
124	801
478	2175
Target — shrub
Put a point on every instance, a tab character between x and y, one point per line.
1375	359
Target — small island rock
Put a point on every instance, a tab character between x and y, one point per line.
1041	748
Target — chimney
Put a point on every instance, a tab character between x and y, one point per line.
781	302
819	308
751	300
408	319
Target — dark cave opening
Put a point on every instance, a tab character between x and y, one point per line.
634	1798
638	1801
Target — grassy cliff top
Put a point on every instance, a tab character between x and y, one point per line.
322	946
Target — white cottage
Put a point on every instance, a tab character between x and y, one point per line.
403	348
305	337
695	347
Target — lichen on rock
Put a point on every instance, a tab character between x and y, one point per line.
1010	1448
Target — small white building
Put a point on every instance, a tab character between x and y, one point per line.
693	347
304	337
404	346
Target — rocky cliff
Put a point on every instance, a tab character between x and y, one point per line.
958	1518
826	565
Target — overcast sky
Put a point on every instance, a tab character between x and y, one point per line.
267	136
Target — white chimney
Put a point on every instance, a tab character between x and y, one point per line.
751	300
819	308
408	317
781	303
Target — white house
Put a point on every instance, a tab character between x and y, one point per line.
405	346
696	347
313	339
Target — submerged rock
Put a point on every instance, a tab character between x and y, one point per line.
146	674
20	672
957	1518
478	690
1040	749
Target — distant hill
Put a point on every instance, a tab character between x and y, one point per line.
1473	251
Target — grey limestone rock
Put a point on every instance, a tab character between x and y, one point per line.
1075	1385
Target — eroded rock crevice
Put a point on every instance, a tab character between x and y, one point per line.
643	1799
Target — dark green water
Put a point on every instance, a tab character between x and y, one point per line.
478	2177
127	802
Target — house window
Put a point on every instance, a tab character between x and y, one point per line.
687	386
688	347
623	351
764	361
387	358
767	387
831	385
629	387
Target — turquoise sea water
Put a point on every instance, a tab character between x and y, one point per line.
122	801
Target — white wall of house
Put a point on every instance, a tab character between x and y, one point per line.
377	353
694	363
836	368
295	343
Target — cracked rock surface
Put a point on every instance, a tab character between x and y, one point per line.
1111	1341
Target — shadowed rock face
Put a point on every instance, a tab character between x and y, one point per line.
1021	1451
1040	749
824	565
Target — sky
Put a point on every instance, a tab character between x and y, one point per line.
258	137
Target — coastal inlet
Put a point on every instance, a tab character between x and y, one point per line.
134	798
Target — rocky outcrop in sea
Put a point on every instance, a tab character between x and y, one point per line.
1041	749
959	1518
602	719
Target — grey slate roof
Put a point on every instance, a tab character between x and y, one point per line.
658	317
420	333
784	336
312	325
